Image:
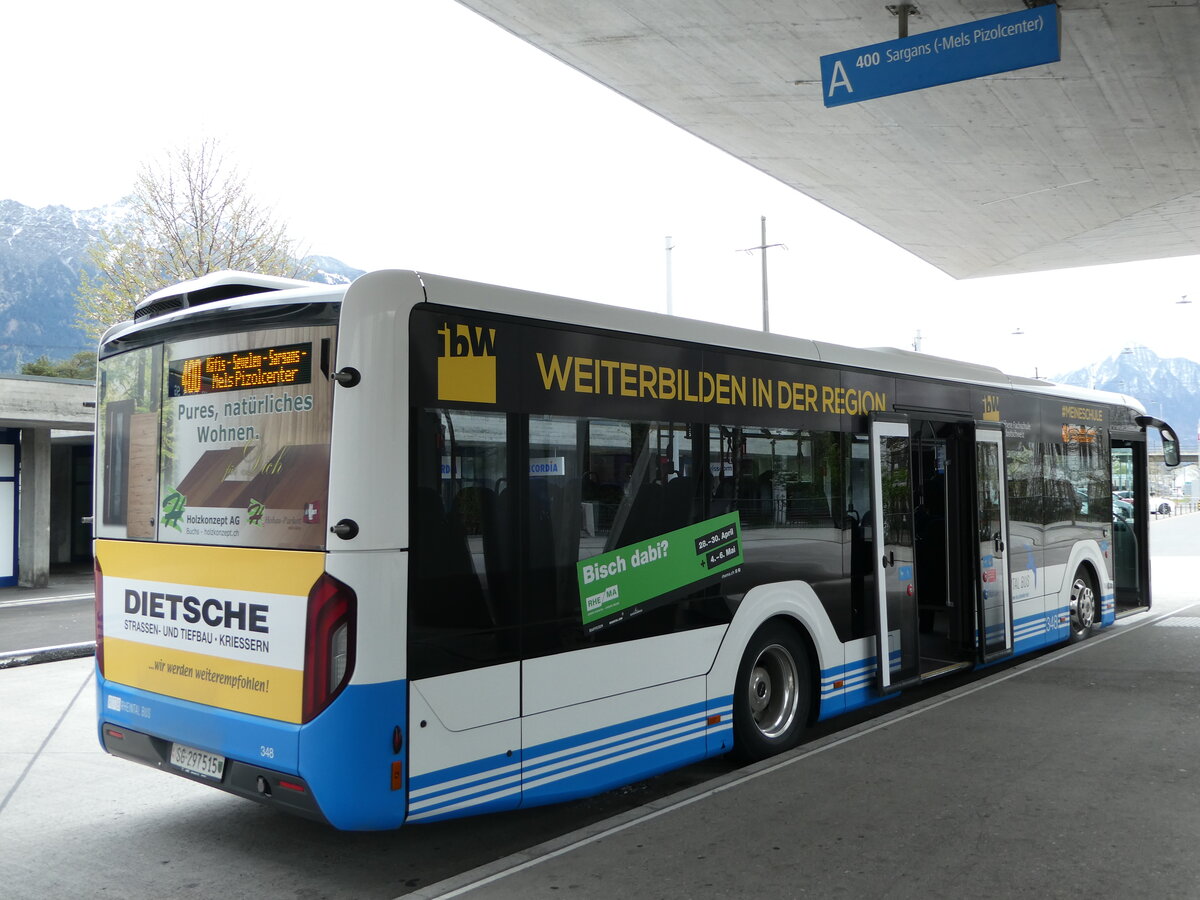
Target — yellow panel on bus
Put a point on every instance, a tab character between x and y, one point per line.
223	626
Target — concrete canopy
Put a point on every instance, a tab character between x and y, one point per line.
28	401
1091	160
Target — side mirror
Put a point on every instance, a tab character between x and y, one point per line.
1170	447
1170	440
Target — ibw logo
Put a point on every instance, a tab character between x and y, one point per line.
991	408
467	363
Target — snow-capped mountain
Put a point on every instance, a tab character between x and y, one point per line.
42	253
1168	388
41	256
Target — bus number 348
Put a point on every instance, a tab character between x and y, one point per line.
266	752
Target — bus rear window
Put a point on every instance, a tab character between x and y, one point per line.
235	431
130	398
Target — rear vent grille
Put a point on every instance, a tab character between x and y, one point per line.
170	304
197	298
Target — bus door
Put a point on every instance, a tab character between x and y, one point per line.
991	528
897	653
1130	544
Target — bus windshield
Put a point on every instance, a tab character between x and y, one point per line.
218	440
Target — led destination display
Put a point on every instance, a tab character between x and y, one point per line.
241	370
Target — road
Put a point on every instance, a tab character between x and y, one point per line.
26	624
75	822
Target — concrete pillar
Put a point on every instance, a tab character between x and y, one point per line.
61	524
33	544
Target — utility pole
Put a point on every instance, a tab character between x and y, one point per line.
670	247
764	247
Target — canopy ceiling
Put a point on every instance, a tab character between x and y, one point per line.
1094	159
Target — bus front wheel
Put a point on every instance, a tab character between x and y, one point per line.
1085	607
772	695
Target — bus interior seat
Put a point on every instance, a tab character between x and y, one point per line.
449	592
677	508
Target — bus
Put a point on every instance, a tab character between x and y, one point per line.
417	548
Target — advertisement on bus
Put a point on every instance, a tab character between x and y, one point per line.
245	440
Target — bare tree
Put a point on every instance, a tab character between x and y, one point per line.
189	215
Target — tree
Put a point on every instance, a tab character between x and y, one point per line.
190	214
82	366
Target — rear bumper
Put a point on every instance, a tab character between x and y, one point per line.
289	793
354	753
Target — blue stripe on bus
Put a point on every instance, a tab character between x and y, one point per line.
852	686
608	757
490	783
575	766
1108	609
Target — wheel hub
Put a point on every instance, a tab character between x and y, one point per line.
772	688
760	690
1083	605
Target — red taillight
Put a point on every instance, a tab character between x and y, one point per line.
328	644
99	579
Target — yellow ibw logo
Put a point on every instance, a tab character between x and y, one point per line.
467	363
991	408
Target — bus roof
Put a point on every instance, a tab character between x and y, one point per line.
226	289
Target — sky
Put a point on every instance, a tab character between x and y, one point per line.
418	135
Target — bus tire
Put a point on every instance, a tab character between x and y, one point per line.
772	695
1085	604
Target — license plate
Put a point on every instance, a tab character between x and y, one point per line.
206	765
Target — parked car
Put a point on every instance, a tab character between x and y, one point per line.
1160	506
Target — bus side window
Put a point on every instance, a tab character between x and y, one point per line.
460	553
607	484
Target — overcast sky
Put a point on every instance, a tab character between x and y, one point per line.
418	135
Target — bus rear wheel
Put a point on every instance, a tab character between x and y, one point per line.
1085	607
772	695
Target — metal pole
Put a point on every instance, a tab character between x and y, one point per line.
766	314
669	249
763	248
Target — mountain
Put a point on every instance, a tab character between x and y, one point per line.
327	270
1168	388
42	254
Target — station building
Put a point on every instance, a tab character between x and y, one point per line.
46	427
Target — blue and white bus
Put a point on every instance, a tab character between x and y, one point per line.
418	548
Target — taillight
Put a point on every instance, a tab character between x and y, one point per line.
328	644
99	579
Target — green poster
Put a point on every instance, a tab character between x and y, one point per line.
624	578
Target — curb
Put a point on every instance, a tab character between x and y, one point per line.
11	659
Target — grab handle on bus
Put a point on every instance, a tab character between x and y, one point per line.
890	559
347	377
999	542
346	529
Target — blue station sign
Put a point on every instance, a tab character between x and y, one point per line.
999	44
